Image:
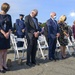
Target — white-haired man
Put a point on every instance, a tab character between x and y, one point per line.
53	33
32	32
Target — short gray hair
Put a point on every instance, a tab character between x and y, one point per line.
35	10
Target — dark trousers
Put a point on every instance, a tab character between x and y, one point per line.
52	47
70	38
20	44
31	50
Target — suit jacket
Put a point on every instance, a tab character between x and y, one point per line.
30	26
19	26
53	28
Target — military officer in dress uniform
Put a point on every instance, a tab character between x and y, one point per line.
20	29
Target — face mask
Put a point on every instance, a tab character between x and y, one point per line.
54	17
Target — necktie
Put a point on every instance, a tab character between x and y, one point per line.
54	22
36	25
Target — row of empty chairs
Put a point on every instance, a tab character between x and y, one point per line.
42	46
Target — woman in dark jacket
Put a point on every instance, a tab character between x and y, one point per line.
5	29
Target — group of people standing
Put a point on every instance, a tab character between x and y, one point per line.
29	27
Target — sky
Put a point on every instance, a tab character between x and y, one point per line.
44	7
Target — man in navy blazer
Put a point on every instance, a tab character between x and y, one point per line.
20	29
53	34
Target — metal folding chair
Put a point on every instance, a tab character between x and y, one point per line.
42	46
70	45
17	49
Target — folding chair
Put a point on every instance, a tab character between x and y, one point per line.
70	45
42	46
73	41
58	44
17	49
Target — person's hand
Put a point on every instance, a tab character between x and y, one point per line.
23	30
6	35
36	34
57	35
67	35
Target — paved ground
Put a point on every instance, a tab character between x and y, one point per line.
61	67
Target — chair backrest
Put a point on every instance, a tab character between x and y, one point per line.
13	41
22	40
72	39
58	44
42	41
25	40
69	42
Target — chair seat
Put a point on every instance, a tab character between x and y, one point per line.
44	47
21	48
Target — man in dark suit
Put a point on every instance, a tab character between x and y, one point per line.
32	32
53	34
20	29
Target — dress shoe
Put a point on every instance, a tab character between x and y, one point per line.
54	59
64	57
2	71
34	63
6	69
29	64
50	59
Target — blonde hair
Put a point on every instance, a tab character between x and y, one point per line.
62	18
5	7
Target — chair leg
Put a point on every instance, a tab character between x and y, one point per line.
42	53
15	55
23	54
73	49
68	50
